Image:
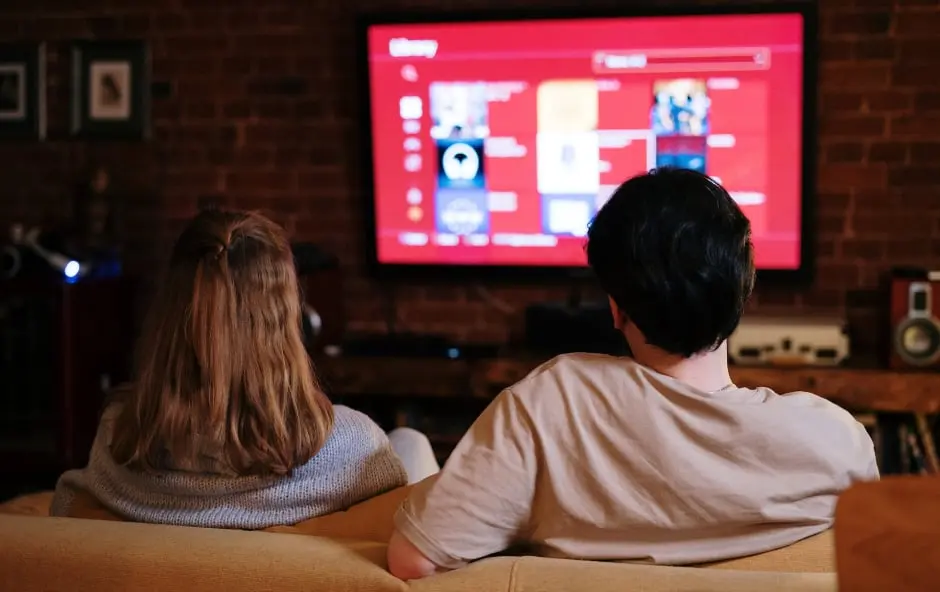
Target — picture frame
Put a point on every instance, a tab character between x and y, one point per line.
110	90
22	91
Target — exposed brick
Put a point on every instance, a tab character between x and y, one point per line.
836	50
844	152
261	110
917	23
842	101
925	153
914	75
855	76
927	100
918	50
837	275
916	126
826	249
891	224
857	23
905	251
887	152
914	176
843	176
830	223
833	201
860	248
854	126
889	100
875	49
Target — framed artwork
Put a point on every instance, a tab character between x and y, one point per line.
22	91
110	89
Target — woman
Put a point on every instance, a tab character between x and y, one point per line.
224	425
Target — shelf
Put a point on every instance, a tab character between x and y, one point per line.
866	389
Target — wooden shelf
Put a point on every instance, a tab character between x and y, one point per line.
856	388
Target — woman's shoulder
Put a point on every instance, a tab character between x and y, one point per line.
356	425
357	443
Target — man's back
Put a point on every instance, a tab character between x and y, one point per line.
598	457
658	457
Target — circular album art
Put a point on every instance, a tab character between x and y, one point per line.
460	162
462	216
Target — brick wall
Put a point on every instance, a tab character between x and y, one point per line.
260	111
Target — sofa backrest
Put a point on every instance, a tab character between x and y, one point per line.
69	554
75	555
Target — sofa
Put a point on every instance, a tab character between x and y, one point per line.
340	552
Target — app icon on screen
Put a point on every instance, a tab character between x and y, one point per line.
680	107
680	120
567	106
414	196
459	110
415	214
686	152
409	73
460	164
410	108
568	163
461	212
567	215
413	163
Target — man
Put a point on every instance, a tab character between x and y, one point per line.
660	457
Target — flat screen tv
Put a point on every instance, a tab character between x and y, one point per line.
492	140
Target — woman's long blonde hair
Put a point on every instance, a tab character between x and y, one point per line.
221	363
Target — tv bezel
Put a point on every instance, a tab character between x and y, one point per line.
803	275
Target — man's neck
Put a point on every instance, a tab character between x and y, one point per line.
707	371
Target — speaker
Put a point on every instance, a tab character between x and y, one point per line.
914	308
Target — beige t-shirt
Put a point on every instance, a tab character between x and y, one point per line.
597	457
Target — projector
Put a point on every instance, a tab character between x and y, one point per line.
784	341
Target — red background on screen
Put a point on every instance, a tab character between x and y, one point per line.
764	114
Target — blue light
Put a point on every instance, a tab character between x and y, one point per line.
71	270
453	353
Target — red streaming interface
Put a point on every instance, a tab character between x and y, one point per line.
496	143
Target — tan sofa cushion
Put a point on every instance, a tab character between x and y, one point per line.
372	520
816	554
537	574
50	554
31	504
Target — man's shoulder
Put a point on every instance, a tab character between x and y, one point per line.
574	362
575	370
815	412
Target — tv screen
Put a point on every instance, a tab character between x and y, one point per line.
493	143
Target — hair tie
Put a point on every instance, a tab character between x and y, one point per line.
220	252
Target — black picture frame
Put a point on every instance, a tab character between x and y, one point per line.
110	90
22	91
799	277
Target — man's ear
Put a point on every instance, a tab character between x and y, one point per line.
620	319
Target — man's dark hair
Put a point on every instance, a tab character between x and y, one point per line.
673	250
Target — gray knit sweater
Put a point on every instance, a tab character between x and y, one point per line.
356	463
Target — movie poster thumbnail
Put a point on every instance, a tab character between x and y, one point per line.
568	215
459	110
680	107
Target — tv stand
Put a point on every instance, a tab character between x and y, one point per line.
401	344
